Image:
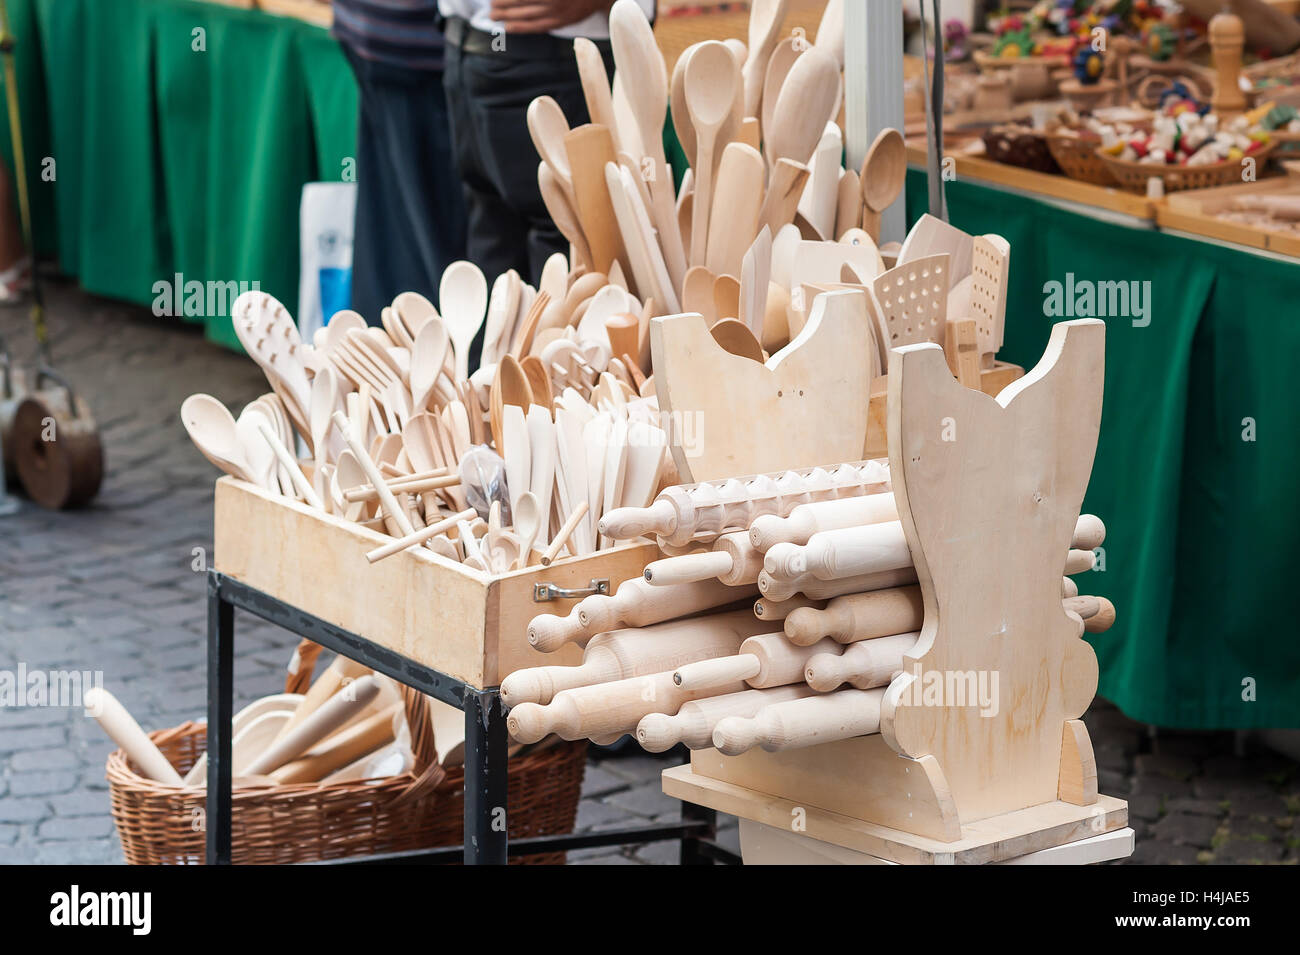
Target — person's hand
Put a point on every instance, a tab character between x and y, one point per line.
543	16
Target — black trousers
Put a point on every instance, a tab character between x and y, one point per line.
488	96
410	219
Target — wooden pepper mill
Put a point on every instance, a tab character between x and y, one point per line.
1227	40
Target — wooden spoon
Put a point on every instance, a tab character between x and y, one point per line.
711	83
463	292
213	431
778	68
510	387
803	108
547	127
595	85
539	382
765	19
527	522
427	360
883	171
563	213
680	114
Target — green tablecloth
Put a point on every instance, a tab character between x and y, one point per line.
182	134
1199	521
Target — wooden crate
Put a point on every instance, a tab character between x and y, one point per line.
1196	212
470	625
1040	183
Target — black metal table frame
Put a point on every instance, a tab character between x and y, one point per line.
486	745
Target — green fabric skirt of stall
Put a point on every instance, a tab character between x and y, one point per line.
1197	462
181	134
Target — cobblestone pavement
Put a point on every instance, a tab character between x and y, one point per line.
112	588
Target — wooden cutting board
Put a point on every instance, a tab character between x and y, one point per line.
730	415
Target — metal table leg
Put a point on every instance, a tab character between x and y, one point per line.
693	852
486	779
221	687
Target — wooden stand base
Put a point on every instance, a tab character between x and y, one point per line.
767	845
996	839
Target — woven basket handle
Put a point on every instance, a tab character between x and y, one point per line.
427	773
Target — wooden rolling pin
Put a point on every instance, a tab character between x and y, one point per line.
694	722
123	730
620	654
864	665
1098	613
773	610
808	519
765	660
733	560
853	617
881	613
354	742
703	512
339	709
798	723
865	549
606	709
635	604
815	589
340	671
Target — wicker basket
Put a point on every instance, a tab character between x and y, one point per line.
1133	175
422	809
1078	158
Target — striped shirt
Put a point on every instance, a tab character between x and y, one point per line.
396	32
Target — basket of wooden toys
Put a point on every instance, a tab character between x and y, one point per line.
1188	147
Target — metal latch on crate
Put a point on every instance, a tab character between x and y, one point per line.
546	592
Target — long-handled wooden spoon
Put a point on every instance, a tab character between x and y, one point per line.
711	82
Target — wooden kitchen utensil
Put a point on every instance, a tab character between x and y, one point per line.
694	723
824	718
809	94
463	293
864	665
212	429
735	337
630	652
853	617
807	519
765	20
590	148
736	202
883	170
635	604
711	82
764	660
113	717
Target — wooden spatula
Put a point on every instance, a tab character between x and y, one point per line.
736	202
589	148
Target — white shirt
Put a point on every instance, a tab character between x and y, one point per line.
595	27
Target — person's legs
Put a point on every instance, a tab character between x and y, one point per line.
410	221
496	237
489	97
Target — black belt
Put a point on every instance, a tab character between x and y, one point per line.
524	46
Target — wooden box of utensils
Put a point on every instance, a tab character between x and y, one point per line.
466	623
